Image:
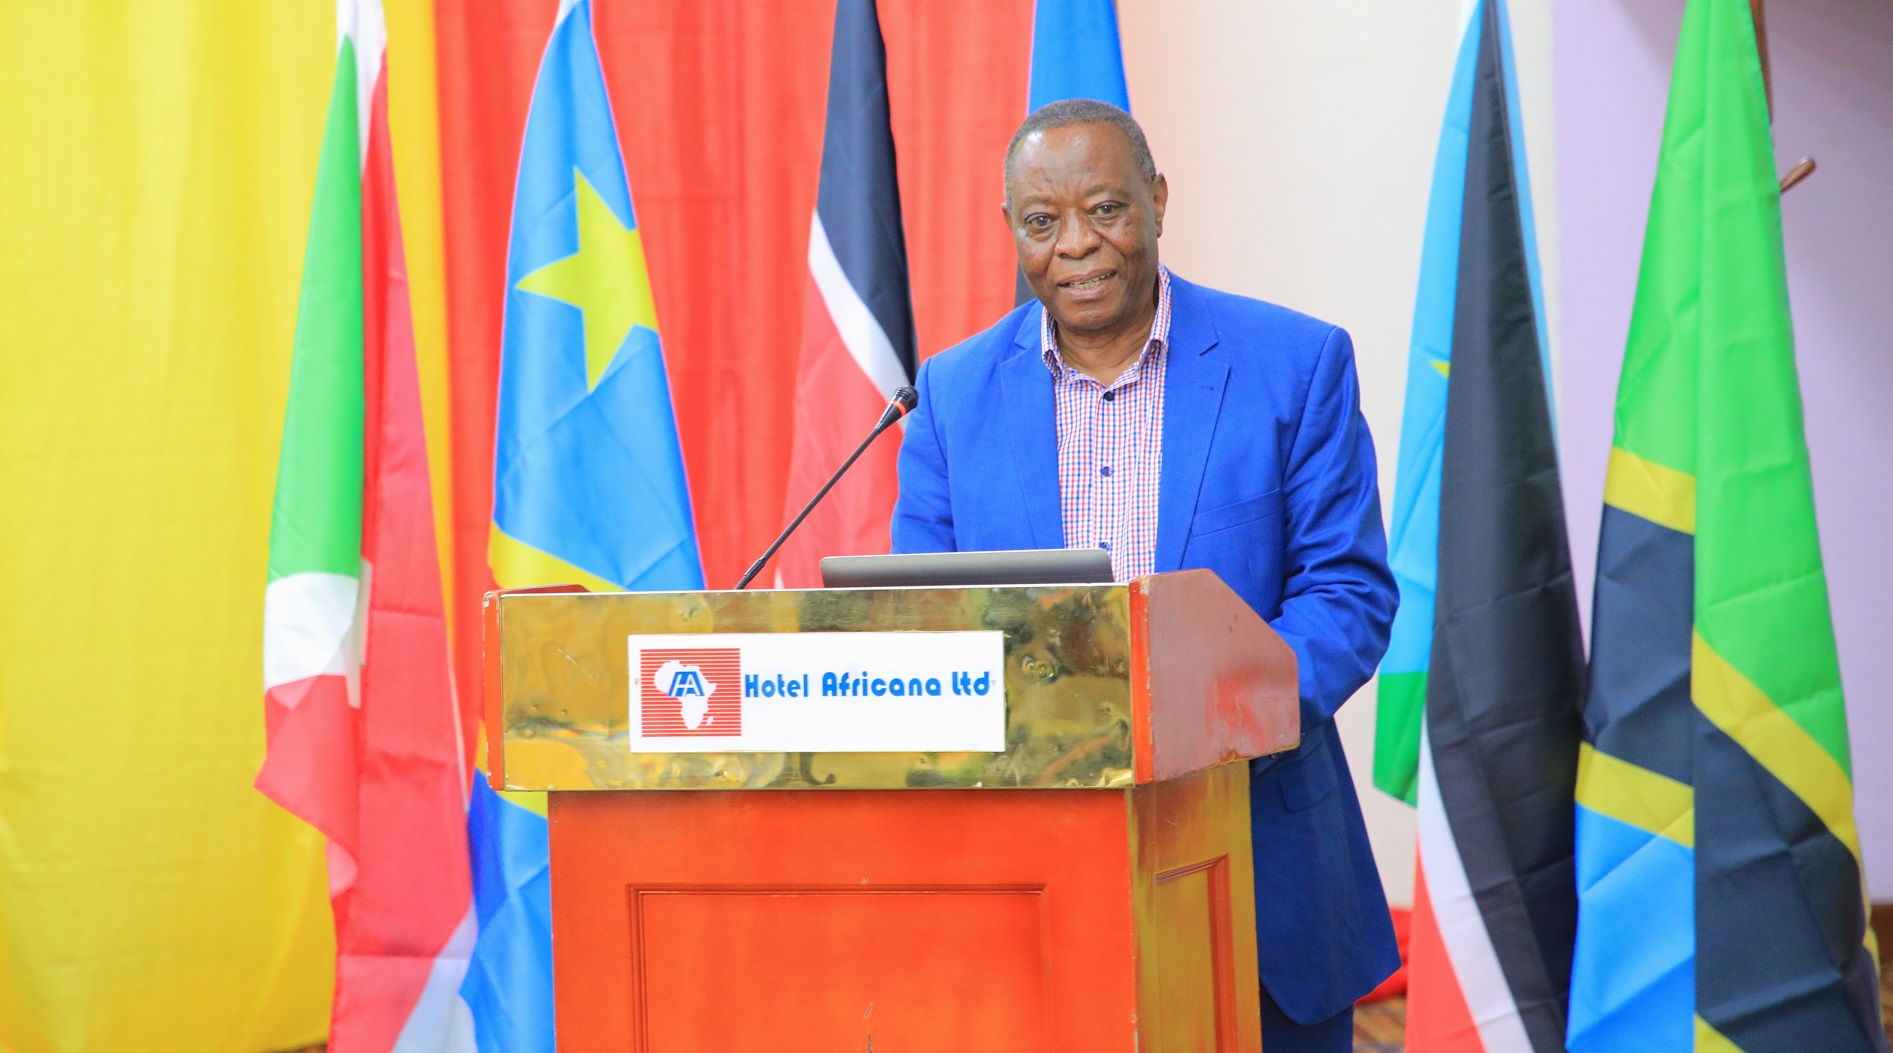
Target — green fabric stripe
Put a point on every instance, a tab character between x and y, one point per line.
316	522
1761	594
1401	706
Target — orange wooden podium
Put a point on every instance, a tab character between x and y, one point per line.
1086	890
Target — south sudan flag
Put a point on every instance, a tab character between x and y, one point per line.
1718	863
1497	669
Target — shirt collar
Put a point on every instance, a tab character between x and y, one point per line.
1159	330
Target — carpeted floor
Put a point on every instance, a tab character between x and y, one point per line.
1382	1026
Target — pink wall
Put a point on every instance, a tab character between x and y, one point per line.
1833	85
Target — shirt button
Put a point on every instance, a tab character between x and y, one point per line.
1105	471
1110	396
1105	545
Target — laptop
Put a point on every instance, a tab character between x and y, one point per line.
1034	566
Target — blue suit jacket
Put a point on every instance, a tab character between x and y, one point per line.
1268	479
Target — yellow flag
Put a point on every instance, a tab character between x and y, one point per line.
154	217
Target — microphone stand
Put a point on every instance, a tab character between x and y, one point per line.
903	401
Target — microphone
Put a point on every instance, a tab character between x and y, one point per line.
904	400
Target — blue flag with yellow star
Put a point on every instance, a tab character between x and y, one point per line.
588	481
588	476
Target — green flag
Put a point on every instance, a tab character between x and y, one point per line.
1716	785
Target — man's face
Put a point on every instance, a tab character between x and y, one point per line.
1086	224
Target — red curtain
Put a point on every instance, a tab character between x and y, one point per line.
719	108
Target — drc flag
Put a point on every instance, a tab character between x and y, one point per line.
588	476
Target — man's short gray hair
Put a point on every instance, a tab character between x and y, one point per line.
1068	112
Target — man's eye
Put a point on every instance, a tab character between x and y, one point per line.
1038	221
1106	209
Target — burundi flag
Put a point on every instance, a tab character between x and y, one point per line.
1718	862
588	476
364	737
1500	678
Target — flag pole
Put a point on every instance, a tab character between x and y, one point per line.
1804	167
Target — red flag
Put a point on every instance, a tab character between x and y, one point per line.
858	323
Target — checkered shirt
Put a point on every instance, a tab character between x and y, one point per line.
1110	448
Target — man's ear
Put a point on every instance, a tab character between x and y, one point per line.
1005	213
1159	197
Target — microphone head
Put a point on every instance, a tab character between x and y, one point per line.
907	397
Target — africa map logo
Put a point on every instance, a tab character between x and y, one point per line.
691	691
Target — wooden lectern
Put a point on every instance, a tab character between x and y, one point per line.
1086	890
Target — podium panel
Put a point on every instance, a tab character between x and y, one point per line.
1086	889
948	921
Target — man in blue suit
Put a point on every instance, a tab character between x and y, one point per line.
1182	427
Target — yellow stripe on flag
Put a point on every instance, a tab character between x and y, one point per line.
1779	744
1709	1040
517	565
1629	793
1660	494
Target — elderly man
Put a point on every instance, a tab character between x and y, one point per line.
1181	427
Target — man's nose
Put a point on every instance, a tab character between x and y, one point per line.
1077	238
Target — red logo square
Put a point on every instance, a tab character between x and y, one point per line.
690	691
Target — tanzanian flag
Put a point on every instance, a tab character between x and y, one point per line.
1718	863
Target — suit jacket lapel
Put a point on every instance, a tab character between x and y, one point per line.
1032	420
1194	379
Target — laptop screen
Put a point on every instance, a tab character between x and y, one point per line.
1038	566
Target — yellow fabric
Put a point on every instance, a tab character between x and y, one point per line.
154	207
414	126
1660	494
517	565
605	279
1709	1040
1735	705
1635	795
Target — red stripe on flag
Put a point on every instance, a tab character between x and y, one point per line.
310	767
1438	1020
836	405
413	884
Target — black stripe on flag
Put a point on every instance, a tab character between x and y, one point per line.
1507	674
859	199
1643	616
1780	965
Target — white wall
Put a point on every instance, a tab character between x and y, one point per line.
1298	138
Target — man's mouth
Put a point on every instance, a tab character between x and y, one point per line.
1087	283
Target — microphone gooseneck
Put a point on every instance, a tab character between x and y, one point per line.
904	400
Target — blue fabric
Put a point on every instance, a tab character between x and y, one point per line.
1282	1035
593	476
508	988
1264	441
1415	529
1075	54
1633	976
